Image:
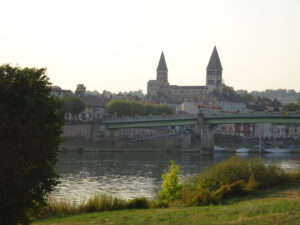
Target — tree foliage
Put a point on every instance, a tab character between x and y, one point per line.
132	108
73	105
292	107
171	187
30	136
80	90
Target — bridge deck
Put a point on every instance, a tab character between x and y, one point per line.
232	118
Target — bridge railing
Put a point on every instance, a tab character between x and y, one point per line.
208	116
141	118
253	114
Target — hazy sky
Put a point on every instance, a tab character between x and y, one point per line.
116	44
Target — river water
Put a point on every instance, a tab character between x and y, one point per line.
131	174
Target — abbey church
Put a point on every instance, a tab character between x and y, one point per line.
160	88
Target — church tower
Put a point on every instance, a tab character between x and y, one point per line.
214	72
162	70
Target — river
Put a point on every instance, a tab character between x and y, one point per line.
131	174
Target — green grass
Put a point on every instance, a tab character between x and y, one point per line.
274	207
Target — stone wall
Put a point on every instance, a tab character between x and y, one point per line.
94	137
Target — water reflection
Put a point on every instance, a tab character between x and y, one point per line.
131	174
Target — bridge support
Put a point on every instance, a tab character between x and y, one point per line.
207	136
207	140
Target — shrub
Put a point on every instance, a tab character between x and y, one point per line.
159	203
229	190
230	178
138	203
265	174
293	177
251	185
204	197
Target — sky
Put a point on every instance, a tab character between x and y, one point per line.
115	45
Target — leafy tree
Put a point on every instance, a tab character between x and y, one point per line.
73	105
137	108
150	109
171	186
80	90
292	107
131	108
30	136
162	108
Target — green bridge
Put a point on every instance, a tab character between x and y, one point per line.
224	118
205	123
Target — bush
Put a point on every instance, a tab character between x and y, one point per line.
293	177
230	190
231	178
252	185
159	203
138	203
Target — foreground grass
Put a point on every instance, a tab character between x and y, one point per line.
274	207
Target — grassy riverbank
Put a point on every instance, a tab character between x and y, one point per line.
277	206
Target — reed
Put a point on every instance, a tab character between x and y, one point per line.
97	203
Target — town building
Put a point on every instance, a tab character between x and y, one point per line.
94	108
193	108
244	129
60	93
277	131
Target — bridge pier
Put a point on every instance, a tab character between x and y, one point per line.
207	140
207	136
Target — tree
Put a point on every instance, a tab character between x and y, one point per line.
131	108
80	90
171	186
73	105
30	136
292	107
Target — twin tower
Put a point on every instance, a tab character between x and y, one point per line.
161	87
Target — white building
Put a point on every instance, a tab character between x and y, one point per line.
228	106
95	108
193	108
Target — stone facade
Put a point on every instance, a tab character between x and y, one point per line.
162	89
